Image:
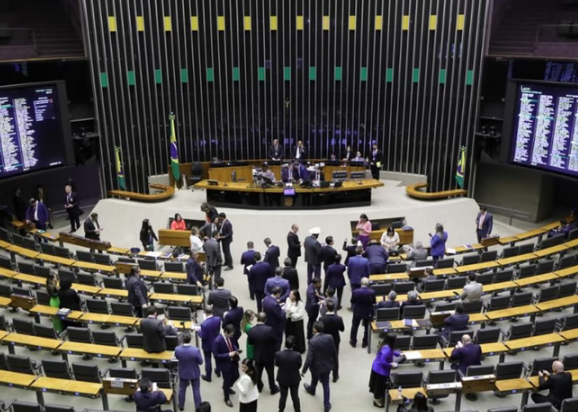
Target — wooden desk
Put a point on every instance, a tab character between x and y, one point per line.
551	250
7	273
86	289
572	244
32	254
408	393
134	354
535	280
16	380
477	267
94	267
513	385
243	173
114	293
31	279
99	318
571	271
444	271
5	302
174	276
443	294
100	351
507	240
425	355
570	335
4	244
118	251
168	297
151	274
557	303
126	321
3	334
77	240
388	277
31	341
463	249
530	234
516	259
57	260
52	311
416	192
166	192
495	287
170	237
511	312
477	318
534	341
45	235
65	386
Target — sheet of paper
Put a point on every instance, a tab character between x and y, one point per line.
415	354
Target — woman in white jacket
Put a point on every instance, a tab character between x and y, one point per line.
247	386
295	310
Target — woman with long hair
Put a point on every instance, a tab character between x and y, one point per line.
147	236
390	240
196	241
178	223
246	324
363	230
52	289
381	369
247	386
295	310
438	243
69	299
419	405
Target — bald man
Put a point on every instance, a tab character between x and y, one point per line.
559	383
466	354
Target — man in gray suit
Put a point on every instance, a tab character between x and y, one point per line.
214	258
472	291
313	254
219	298
153	332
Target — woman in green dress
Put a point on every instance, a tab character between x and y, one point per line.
246	324
52	289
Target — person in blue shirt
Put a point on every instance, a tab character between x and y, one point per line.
248	260
37	213
195	271
189	358
276	317
148	400
335	279
357	269
210	329
234	317
376	256
312	304
278	281
363	302
381	368
456	322
438	243
258	275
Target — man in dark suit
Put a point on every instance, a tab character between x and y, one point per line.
290	174
264	340
275	151
390	302
293	245
376	257
213	256
219	298
137	292
153	332
357	268
313	254
466	354
484	223
20	205
362	302
299	152
234	317
258	275
226	238
71	206
328	253
195	271
148	400
37	214
209	331
278	282
275	315
375	162
289	362
92	227
558	382
350	249
271	254
333	324
248	260
226	354
290	275
313	297
189	358
456	322
321	359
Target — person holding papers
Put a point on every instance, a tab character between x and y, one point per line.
375	162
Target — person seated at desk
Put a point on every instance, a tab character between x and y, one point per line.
416	253
37	214
290	174
390	240
419	405
473	290
178	223
564	228
358	158
276	151
149	400
466	354
456	322
347	157
389	302
559	383
428	276
299	152
268	173
412	300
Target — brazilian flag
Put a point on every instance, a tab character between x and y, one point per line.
461	171
119	170
174	151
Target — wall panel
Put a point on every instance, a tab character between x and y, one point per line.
333	73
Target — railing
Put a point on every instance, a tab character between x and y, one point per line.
511	213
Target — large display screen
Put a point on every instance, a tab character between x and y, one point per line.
545	128
31	129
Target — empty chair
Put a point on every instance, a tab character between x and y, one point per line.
402	342
47	248
122	373
161	377
5	235
6	263
424	263
21	291
520	331
549	293
566	261
105	338
504	276
456	336
567	289
17	239
527	270
84	256
545	267
509	370
179	313
414	312
174	267
387	314
506	409
445	263
41	271
570	362
58	408
56	369
407	379
22	406
102	259
25	327
64	274
381	289
522	299
457	282
191	290
45	331
62	252
126	259
438	377
161	287
29	244
3	324
434	285
42	298
479	370
86	373
86	279
425	342
569	405
489	256
172	342
470	259
403	287
396	268
112	283
573	234
542	364
538	407
488	335
21	364
527	248
147	264
544	327
510	251
472	307
121	309
97	306
498	303
485	278
5	290
27	268
570	322
444	306
82	335
134	340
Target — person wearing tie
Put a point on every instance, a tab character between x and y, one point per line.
226	238
484	223
226	354
209	331
290	174
293	244
71	206
91	227
189	358
275	151
358	157
147	399
288	362
37	214
299	152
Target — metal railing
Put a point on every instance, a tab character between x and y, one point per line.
511	213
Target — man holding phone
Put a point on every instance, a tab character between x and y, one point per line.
226	353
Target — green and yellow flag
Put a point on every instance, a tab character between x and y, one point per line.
174	151
119	170
461	171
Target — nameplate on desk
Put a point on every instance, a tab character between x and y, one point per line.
443	388
480	383
419	272
424	323
383	325
437	318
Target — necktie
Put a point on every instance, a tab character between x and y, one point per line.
290	174
68	198
229	345
481	224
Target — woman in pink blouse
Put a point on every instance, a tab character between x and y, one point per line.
364	229
178	223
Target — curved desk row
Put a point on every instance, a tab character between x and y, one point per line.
416	192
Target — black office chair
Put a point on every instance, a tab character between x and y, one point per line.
174	267
102	259
147	264
527	271
5	235
396	268
172	342
82	335
414	312
567	289
522	299
407	379
457	282
3	323
196	173
402	343
17	239
45	331
444	306
488	335
161	287
472	307
42	298
30	244
64	274
5	290
425	342
185	289
573	234
498	303
470	259
21	291
123	373
455	337
506	409
62	252
47	249
6	263
504	276
84	256
544	327
445	263
435	285
58	408
485	278
527	248
42	271
509	370
546	266
566	262
520	331
402	288
549	293
510	252
26	268
569	322
570	362
21	364
22	406
387	314
161	377
424	263
25	327
179	313
134	340
87	279
86	373
542	364
56	369
439	377
121	309
489	256
538	407
478	370
110	282
97	306
381	289
105	338
569	405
